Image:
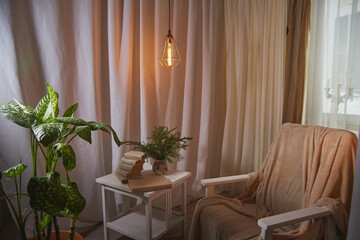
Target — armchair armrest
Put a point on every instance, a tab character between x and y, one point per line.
269	223
211	182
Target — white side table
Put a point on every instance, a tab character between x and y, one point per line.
144	221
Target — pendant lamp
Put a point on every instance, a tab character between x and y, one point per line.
169	53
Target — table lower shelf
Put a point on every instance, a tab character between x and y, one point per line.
134	224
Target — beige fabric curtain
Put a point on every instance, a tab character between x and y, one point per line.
255	40
226	92
295	67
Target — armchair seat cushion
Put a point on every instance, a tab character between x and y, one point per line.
218	217
221	222
225	223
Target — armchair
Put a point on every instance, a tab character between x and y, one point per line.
301	191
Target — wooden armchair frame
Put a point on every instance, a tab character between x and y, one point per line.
268	224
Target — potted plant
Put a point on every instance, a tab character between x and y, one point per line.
52	135
163	146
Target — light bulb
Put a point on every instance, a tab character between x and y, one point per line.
169	61
169	54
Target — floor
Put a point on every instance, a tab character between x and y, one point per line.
173	234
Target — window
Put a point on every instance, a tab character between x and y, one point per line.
333	98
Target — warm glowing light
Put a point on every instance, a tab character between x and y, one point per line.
169	60
169	53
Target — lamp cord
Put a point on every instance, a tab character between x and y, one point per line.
169	15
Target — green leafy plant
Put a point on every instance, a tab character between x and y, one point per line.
52	135
20	215
163	144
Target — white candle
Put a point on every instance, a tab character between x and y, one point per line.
340	79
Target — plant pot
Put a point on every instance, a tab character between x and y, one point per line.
160	167
64	235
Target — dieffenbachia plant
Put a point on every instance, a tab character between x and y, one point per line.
52	135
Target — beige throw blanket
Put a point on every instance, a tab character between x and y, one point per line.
325	160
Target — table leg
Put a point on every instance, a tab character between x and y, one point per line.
184	208
148	213
168	208
105	213
126	203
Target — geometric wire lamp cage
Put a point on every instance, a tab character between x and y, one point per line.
169	53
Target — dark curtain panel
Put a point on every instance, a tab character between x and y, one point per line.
295	66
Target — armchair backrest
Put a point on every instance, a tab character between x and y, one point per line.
306	164
280	189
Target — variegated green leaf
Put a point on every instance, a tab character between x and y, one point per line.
29	110
116	139
96	125
45	220
15	171
66	154
52	110
46	194
26	109
41	107
47	133
71	110
15	113
68	131
84	133
71	120
105	130
75	202
68	113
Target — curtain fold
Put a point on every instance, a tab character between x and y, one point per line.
226	93
298	22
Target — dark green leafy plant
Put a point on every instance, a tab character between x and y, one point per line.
20	215
163	144
52	135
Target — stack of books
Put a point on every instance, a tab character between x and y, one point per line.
131	165
149	182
